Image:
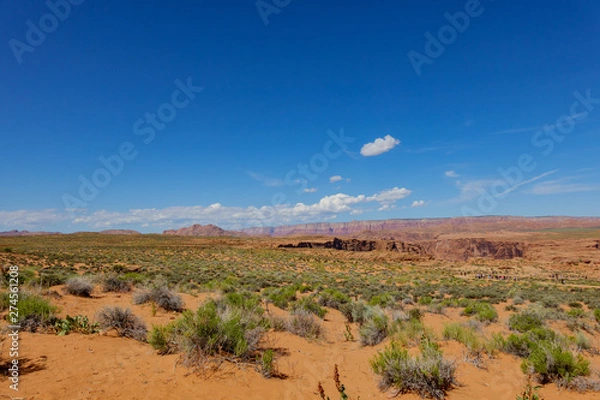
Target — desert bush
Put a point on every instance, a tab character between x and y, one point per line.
162	296
34	312
415	314
549	302
375	327
582	342
266	363
79	286
113	283
51	278
217	328
77	324
279	324
411	332
597	314
575	304
525	321
354	311
304	324
123	321
281	296
436	308
407	301
425	300
428	375
550	362
518	300
476	345
332	298
309	304
484	312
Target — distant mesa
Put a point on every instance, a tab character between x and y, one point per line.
203	231
119	232
27	233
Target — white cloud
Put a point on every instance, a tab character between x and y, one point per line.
327	207
390	196
379	146
31	219
335	178
417	203
451	174
310	190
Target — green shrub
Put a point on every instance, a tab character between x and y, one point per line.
375	327
597	314
216	328
123	321
34	312
576	313
425	300
525	321
266	362
484	312
355	311
282	296
412	332
476	346
428	375
551	362
309	304
332	298
77	324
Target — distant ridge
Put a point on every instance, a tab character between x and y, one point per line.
202	231
119	232
27	233
426	227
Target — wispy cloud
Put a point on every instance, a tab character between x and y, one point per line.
572	118
265	180
451	174
335	178
471	189
310	190
379	146
559	186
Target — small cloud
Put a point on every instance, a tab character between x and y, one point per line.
451	174
379	146
335	178
417	203
310	190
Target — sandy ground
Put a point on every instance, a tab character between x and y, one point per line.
108	367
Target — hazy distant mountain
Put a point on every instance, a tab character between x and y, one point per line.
27	233
202	230
426	227
119	232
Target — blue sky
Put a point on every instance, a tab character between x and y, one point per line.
232	113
